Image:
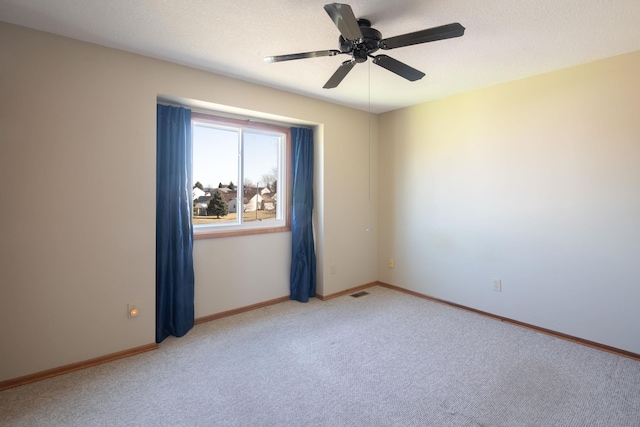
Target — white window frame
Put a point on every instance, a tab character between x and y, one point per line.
283	205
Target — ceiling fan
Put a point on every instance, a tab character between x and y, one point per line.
359	40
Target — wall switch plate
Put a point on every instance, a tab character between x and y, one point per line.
497	285
390	263
333	269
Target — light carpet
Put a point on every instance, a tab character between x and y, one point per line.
384	359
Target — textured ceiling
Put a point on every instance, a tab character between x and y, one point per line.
504	40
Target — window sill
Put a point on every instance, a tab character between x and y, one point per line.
209	234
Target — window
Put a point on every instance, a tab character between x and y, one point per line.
240	177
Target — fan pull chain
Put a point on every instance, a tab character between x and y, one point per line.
369	128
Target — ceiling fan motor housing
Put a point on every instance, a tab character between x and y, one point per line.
362	48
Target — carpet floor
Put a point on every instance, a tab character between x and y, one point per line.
383	359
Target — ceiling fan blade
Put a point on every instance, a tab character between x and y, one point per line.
340	74
304	55
343	17
400	68
429	35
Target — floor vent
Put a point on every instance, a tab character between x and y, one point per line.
359	294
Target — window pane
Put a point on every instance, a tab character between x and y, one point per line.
215	168
228	153
261	172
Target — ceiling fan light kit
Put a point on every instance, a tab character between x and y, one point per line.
359	40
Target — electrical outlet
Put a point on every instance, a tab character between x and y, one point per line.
497	285
390	263
132	310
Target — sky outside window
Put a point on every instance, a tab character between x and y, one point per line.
215	158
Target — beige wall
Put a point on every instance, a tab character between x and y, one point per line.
536	182
77	167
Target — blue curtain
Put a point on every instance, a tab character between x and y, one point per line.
174	231
303	255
